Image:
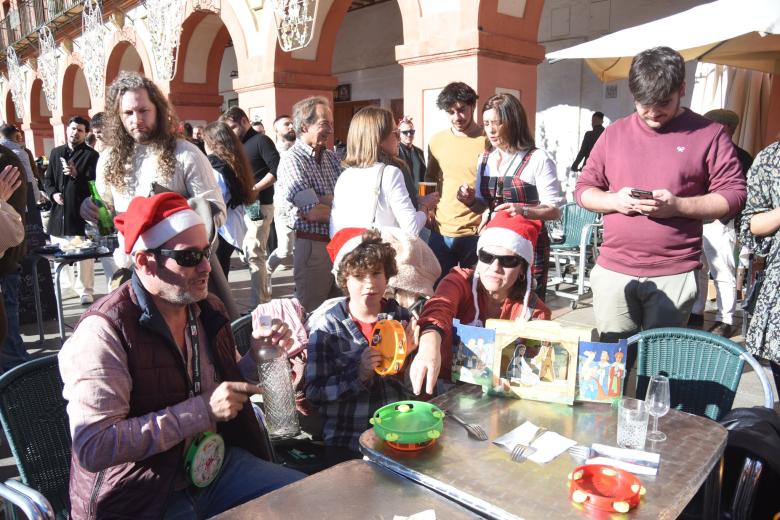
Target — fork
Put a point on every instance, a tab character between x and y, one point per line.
578	451
520	450
475	431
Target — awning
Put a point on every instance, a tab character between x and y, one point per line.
740	33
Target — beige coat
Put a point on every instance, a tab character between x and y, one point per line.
11	224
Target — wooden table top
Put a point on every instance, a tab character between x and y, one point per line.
482	476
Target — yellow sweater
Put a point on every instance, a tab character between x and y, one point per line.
452	161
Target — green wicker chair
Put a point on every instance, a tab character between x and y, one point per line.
703	369
32	412
578	237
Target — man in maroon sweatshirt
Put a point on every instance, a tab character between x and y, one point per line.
655	175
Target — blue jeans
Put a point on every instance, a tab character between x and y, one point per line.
243	478
452	251
12	352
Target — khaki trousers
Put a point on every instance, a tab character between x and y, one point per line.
256	245
314	282
625	304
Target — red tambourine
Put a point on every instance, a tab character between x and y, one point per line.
605	488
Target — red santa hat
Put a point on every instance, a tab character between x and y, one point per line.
343	242
518	234
149	222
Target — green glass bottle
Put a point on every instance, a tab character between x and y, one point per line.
105	220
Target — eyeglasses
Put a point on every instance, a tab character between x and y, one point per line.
408	132
506	261
184	257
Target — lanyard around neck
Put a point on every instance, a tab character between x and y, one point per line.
192	332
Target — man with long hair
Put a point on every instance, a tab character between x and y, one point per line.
145	155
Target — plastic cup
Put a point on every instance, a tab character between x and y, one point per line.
632	424
426	188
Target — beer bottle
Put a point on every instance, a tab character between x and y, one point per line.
105	220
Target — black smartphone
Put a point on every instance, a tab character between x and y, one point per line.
641	194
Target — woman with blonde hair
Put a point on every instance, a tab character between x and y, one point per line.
234	178
371	191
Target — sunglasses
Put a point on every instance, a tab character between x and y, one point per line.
184	257
408	132
506	261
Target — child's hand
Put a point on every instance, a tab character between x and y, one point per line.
412	335
369	360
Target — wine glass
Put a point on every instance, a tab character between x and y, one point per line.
657	401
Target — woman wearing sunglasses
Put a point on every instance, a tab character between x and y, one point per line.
515	176
499	287
372	145
234	177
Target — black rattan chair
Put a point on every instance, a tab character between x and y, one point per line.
33	415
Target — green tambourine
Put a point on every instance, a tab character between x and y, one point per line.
204	459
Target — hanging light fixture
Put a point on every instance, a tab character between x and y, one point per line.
17	82
163	20
93	55
47	66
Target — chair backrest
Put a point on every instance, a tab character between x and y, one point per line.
242	332
35	421
703	369
575	219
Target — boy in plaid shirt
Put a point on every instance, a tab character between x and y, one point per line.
340	377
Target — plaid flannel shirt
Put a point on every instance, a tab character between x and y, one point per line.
299	170
332	383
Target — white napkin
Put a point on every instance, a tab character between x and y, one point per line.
428	514
548	446
637	462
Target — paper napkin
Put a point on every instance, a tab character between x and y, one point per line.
548	446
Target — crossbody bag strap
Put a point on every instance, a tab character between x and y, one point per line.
377	191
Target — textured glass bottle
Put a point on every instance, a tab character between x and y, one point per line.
273	372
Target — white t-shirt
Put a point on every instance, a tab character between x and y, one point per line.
193	177
540	171
354	196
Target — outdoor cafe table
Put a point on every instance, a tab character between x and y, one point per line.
481	475
354	490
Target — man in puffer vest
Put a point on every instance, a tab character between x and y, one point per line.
157	393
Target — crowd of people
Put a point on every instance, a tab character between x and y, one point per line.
152	369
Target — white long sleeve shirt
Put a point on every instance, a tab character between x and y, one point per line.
355	195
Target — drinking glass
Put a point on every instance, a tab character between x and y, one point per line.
632	423
657	401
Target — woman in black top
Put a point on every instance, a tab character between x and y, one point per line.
234	176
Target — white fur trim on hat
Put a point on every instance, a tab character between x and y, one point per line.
508	239
344	250
166	229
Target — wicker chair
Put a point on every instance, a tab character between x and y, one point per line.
32	412
703	369
579	225
242	332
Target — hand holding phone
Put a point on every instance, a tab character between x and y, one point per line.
641	194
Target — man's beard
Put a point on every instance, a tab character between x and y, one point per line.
289	136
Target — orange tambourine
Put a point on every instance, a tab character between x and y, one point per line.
389	338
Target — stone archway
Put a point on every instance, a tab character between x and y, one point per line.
195	89
40	121
75	99
123	56
10	110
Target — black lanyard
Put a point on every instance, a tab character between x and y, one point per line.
192	332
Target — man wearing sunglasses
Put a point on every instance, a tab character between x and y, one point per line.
153	379
412	155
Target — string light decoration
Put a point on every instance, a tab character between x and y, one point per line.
212	6
16	81
47	66
93	55
163	20
294	22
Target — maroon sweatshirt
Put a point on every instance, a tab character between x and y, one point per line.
688	156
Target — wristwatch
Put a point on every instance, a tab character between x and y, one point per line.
524	211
